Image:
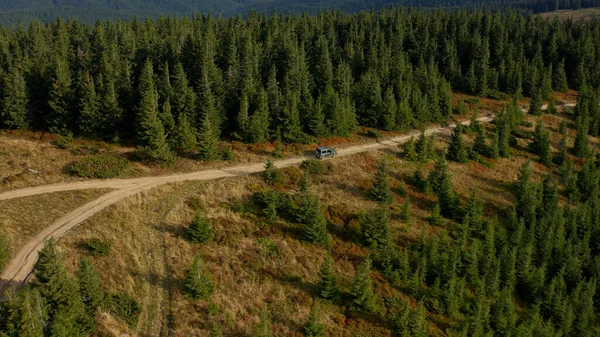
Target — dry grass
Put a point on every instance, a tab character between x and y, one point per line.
30	158
579	14
22	218
150	255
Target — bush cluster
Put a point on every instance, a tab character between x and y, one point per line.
103	165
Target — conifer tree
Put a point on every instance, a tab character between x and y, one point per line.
184	137
494	150
535	106
581	146
447	199
110	107
65	305
314	327
60	100
199	230
166	117
389	110
474	210
435	218
315	224
27	315
259	122
327	286
363	299
541	144
380	191
456	150
561	156
243	118
479	145
14	100
559	78
208	141
152	141
409	151
405	212
503	130
374	227
198	283
90	121
89	285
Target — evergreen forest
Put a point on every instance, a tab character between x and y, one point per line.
174	84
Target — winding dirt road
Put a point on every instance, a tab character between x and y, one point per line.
22	264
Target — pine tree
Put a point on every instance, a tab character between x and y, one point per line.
110	108
199	230
90	121
479	145
327	286
503	130
166	118
474	211
27	315
184	137
581	146
494	150
314	327
374	227
541	144
14	100
264	327
380	191
363	299
89	285
208	141
60	101
559	78
405	212
561	156
65	305
409	151
152	141
447	199
259	122
389	110
456	150
535	106
198	283
315	224
435	218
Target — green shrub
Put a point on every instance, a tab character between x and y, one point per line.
97	247
374	134
314	166
199	230
64	141
99	166
124	306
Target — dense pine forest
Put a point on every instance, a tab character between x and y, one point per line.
178	86
174	83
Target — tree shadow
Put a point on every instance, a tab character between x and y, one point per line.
176	231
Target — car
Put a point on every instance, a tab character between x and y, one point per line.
324	152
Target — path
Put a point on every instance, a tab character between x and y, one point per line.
18	270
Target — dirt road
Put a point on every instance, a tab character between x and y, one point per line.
21	266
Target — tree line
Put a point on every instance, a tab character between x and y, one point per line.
173	84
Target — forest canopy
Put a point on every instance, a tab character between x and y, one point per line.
171	83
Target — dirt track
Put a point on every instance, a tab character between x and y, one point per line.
21	266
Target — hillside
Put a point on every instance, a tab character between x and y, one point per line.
274	268
15	11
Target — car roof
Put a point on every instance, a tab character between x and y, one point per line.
321	148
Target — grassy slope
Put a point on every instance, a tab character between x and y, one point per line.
20	151
22	218
255	264
584	13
